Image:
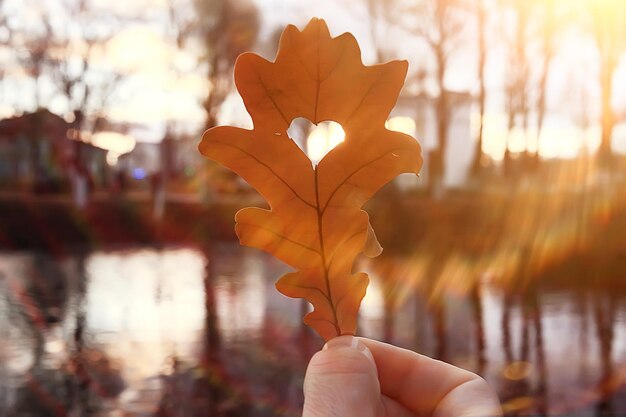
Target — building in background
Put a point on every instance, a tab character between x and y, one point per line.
40	151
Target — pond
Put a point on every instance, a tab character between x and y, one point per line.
180	331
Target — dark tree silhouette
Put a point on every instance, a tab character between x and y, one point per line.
480	11
227	28
550	25
58	56
476	303
605	308
517	87
440	25
608	28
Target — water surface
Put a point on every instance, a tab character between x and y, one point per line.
131	332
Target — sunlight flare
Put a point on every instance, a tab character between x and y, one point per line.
323	138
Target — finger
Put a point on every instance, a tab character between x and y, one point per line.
420	383
392	408
341	381
471	399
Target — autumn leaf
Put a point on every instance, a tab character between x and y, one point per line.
315	223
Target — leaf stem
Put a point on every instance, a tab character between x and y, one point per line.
320	216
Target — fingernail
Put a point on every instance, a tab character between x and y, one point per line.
349	342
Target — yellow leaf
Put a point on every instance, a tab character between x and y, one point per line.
315	222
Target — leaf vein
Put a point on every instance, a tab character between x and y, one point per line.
271	97
343	297
352	236
305	287
362	166
356	109
295	193
326	320
275	233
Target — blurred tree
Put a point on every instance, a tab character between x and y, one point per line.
480	10
228	28
382	16
533	33
604	317
32	47
62	55
5	31
209	35
608	27
440	23
85	86
516	15
181	32
59	54
78	381
550	24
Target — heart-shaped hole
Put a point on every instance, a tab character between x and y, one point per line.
315	140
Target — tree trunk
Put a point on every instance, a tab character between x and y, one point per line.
506	327
436	303
605	318
541	112
605	153
507	159
482	55
477	310
439	324
34	148
438	160
389	319
210	389
542	387
543	84
80	383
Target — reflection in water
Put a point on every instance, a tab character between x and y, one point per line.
134	331
146	301
242	303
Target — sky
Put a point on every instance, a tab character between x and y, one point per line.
144	52
162	83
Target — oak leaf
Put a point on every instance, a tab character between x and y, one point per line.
315	223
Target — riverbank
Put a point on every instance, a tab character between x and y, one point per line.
51	222
513	233
55	225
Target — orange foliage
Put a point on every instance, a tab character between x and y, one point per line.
315	223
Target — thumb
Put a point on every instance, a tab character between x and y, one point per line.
342	381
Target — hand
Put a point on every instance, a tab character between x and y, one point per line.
357	377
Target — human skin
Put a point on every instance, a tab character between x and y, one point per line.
358	377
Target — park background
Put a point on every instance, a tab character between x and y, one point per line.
123	290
